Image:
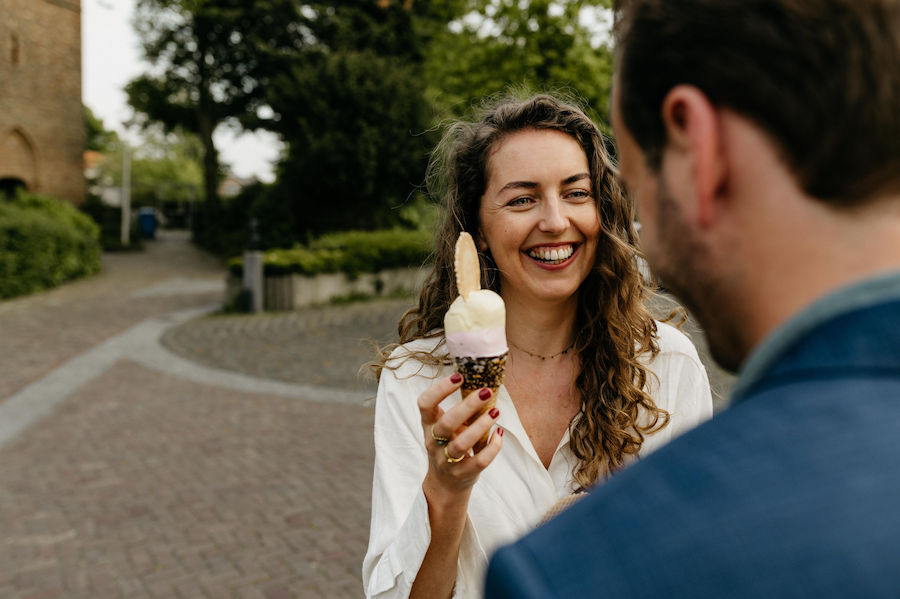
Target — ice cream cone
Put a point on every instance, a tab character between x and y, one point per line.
475	330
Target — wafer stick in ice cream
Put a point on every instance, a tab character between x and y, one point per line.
475	329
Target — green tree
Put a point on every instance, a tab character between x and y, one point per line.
359	146
165	168
97	137
208	60
354	88
541	45
350	107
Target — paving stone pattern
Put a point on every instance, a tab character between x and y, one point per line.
142	485
318	346
40	332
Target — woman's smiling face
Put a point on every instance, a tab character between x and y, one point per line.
538	215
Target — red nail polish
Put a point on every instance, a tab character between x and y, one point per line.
456	378
484	393
494	412
500	431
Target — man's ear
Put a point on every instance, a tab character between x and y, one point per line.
692	126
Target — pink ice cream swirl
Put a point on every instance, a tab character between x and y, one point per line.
477	343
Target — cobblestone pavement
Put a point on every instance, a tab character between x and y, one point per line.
320	346
40	332
144	484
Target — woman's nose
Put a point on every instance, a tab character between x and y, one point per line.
553	219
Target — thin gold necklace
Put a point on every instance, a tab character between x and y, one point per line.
556	355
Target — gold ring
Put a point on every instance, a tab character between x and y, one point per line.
451	459
441	441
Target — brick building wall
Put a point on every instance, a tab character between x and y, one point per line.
41	119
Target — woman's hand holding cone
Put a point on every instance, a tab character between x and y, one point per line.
445	468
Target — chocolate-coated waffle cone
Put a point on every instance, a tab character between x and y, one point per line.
478	373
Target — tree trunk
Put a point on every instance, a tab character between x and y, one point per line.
206	124
210	158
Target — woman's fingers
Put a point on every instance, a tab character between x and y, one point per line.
429	401
466	471
484	457
448	437
470	435
454	419
455	463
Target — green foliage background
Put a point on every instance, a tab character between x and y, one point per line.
357	90
97	138
540	45
351	252
44	242
166	167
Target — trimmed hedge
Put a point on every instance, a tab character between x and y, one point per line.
43	243
351	252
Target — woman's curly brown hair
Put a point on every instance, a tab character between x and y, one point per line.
613	328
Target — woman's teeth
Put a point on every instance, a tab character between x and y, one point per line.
553	255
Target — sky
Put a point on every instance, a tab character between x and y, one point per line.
111	57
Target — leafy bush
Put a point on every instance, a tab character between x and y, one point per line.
225	230
43	243
351	252
360	142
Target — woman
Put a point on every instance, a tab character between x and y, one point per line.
592	381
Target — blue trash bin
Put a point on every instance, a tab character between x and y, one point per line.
147	222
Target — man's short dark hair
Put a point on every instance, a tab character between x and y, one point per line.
821	77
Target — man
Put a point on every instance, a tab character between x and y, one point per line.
761	142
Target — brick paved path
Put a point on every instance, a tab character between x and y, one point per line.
319	346
143	484
38	333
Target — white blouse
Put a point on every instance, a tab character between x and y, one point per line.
514	492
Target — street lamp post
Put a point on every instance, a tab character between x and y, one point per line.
126	195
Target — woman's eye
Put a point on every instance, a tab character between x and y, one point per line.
521	201
579	194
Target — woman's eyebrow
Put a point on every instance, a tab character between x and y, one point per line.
532	184
517	184
577	177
